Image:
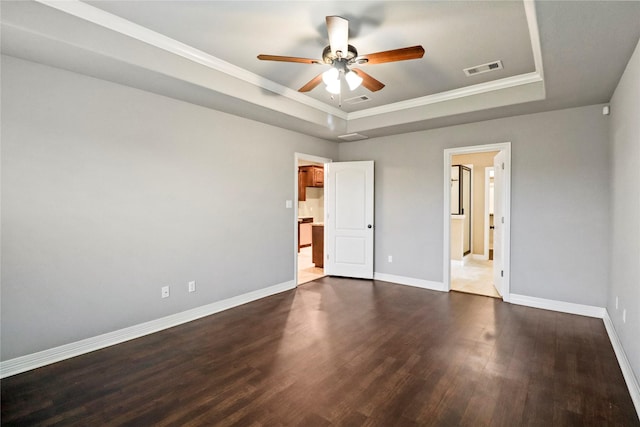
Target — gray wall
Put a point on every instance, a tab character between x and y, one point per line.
559	200
109	193
625	209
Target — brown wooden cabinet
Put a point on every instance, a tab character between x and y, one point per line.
302	185
304	232
309	176
316	177
317	245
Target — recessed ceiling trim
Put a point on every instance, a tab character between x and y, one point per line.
534	35
507	82
352	137
523	79
120	25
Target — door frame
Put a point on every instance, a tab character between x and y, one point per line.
296	158
506	253
487	205
471	216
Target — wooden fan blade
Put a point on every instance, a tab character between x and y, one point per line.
367	81
338	30
289	59
311	84
413	52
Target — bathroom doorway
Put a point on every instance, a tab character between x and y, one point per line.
469	268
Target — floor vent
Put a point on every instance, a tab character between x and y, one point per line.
484	68
357	99
352	137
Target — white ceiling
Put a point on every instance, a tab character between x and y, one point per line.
555	55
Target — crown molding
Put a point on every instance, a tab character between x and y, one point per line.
521	79
534	35
138	32
449	95
122	26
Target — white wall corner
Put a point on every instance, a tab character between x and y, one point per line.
625	366
67	351
410	281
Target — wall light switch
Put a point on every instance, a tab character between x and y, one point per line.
289	204
624	315
390	258
192	286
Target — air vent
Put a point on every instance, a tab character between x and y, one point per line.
357	99
352	137
484	68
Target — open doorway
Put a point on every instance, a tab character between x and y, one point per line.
309	243
473	232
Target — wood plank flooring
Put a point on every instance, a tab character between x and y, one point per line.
341	352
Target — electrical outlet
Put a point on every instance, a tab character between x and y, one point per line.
624	315
164	292
616	303
390	259
192	286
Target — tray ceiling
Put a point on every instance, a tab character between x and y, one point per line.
205	52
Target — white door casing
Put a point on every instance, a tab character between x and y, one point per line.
498	222
467	196
349	226
504	147
297	158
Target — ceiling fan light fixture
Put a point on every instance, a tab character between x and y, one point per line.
340	56
334	87
353	80
330	76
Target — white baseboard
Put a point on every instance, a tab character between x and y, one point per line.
625	366
561	306
67	351
410	281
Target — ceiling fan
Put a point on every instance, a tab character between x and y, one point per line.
341	56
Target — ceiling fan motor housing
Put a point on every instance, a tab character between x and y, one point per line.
329	58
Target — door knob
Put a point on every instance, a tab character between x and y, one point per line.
369	226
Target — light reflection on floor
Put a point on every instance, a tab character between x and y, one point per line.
307	271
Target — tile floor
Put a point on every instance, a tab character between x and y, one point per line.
307	271
473	276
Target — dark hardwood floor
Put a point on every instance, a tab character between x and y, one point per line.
346	353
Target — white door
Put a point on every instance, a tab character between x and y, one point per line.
498	222
349	219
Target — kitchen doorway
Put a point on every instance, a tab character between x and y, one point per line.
474	271
310	208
